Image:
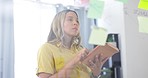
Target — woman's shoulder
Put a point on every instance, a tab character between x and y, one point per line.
48	48
48	45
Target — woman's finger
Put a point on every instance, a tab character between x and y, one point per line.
86	51
82	57
97	60
83	54
92	64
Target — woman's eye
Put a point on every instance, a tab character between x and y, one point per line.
70	19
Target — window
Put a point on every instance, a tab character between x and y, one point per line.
31	27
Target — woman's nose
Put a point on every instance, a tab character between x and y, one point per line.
76	23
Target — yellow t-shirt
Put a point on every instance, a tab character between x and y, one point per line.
52	58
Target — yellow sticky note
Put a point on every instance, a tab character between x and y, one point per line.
95	9
98	36
143	24
143	4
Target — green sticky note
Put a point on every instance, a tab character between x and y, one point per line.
143	4
124	1
95	9
143	24
98	36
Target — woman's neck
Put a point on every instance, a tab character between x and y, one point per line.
67	42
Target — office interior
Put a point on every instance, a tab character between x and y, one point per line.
25	24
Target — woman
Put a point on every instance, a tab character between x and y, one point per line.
62	55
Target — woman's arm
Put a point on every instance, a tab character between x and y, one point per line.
67	69
64	73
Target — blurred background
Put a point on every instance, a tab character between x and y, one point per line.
25	24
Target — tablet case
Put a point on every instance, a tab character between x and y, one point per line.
108	50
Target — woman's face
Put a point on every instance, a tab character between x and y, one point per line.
71	24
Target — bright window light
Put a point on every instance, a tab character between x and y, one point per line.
64	2
31	27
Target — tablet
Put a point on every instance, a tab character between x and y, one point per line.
108	50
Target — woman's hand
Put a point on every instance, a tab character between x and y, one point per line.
96	64
78	58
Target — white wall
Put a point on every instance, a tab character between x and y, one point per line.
113	18
136	44
121	19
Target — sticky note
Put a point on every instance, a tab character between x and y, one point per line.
98	36
124	1
143	24
95	9
143	4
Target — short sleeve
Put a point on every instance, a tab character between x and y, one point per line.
45	60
